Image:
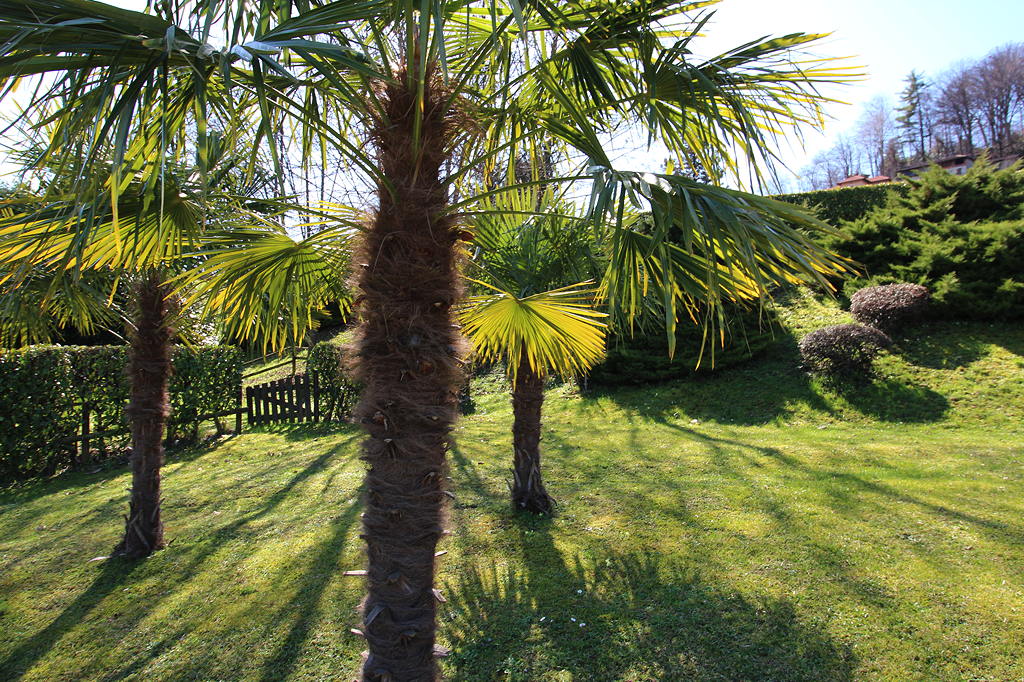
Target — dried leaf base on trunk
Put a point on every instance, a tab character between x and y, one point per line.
528	492
149	369
409	354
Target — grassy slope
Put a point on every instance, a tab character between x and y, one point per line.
747	525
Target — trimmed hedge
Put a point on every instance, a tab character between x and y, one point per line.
845	203
891	307
206	380
46	388
338	392
643	359
36	411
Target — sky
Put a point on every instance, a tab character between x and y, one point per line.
888	38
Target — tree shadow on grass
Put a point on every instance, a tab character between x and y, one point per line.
114	573
320	567
177	564
949	345
726	395
887	400
767	390
623	616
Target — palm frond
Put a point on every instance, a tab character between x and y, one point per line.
555	331
264	286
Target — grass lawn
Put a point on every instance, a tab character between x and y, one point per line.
751	524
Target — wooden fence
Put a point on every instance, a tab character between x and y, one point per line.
293	399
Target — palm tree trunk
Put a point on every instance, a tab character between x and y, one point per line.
528	493
149	369
408	358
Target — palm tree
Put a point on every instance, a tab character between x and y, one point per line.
420	98
164	227
556	331
528	319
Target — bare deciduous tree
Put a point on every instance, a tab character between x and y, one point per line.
875	130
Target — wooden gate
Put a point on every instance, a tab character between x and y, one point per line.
292	399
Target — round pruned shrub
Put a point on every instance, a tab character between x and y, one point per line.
842	349
890	307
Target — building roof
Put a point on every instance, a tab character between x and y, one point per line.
861	179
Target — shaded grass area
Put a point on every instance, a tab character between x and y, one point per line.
749	525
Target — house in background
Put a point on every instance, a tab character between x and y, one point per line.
862	180
957	164
954	165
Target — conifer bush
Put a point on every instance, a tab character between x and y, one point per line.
962	236
643	358
843	349
890	307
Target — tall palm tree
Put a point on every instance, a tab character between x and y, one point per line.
420	98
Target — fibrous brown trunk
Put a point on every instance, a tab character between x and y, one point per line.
528	493
149	369
409	362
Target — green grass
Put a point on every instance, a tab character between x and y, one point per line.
751	524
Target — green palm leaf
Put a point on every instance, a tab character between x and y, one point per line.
264	286
556	331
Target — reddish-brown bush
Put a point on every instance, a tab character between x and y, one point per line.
890	307
842	349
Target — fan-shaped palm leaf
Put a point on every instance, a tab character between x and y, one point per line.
556	331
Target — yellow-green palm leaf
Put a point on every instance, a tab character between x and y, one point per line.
264	286
555	331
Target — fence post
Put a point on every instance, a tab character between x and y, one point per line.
85	434
315	396
238	412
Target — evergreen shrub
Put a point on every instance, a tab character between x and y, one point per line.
643	358
326	362
961	236
835	206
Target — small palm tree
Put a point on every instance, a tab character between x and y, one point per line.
168	240
550	332
531	317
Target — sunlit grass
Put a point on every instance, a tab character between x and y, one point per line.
753	524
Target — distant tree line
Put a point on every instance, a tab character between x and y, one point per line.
972	106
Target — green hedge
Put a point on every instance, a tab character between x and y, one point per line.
206	380
36	411
846	203
962	236
46	388
338	392
643	359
